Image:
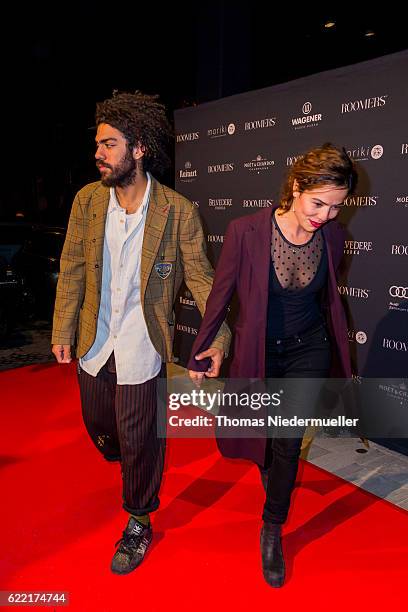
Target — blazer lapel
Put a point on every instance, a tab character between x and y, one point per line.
156	220
97	222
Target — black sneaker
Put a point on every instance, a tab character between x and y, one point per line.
132	547
112	458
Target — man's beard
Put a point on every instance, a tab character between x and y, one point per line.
123	174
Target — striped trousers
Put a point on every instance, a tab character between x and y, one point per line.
122	423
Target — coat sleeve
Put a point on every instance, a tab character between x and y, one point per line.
71	279
219	299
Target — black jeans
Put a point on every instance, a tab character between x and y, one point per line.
304	356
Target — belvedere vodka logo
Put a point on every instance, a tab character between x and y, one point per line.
357	247
220	203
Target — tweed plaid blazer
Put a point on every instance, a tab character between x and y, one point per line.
173	235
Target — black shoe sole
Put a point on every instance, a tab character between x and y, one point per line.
113	459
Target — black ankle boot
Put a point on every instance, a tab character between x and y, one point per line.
273	564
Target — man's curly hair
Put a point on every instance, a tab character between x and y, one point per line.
142	120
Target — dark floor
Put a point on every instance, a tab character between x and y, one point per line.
26	344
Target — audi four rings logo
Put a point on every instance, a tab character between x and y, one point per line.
399	292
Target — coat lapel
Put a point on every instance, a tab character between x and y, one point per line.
258	244
156	220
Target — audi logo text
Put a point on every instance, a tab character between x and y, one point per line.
399	292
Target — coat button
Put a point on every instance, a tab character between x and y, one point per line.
96	265
93	239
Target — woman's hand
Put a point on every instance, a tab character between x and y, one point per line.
216	356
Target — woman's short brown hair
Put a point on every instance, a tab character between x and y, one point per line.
325	165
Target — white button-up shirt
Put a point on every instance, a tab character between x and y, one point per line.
121	325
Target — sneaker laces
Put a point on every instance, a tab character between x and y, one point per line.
130	538
127	541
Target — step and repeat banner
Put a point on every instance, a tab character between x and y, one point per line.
233	154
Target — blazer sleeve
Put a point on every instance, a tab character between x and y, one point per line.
219	299
71	279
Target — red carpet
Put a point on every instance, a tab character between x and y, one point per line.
61	515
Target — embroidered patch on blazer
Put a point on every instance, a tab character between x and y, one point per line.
163	269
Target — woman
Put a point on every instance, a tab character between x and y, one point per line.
283	262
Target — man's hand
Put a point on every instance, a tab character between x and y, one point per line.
216	356
62	352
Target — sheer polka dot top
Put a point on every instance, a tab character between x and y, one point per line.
295	264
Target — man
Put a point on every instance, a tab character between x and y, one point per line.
129	244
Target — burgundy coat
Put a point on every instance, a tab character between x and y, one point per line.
244	267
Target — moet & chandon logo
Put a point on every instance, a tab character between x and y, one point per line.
259	164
